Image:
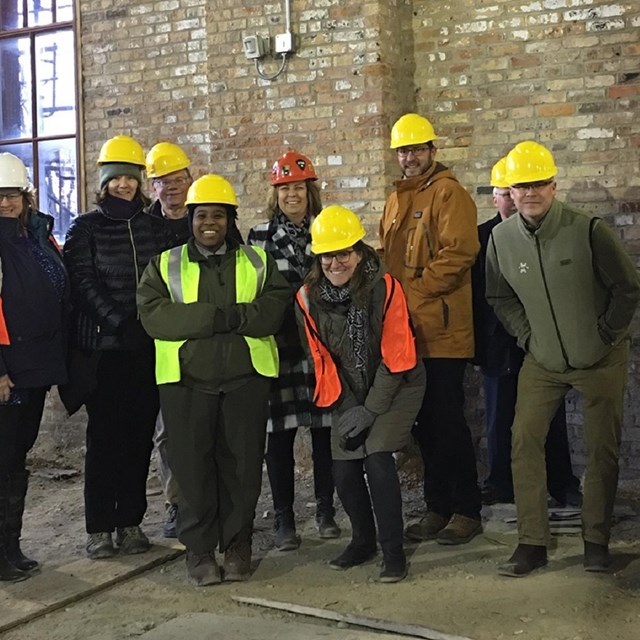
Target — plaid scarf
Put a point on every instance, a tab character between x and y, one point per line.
299	235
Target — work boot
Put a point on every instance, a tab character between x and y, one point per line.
353	556
237	559
132	540
100	545
459	530
394	570
427	528
394	566
169	528
327	526
17	558
18	483
8	571
202	569
286	538
596	557
525	559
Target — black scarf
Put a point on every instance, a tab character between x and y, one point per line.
357	317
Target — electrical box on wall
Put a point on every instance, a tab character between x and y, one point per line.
255	46
285	43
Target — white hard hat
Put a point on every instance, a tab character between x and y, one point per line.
13	173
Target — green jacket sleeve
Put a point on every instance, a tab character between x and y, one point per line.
263	317
167	320
383	390
503	299
618	274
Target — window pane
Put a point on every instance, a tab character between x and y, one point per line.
58	186
64	10
15	88
11	15
40	12
55	76
24	151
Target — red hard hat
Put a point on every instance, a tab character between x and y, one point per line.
292	167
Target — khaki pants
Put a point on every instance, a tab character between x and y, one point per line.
539	395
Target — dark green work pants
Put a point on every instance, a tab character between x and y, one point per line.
215	447
540	392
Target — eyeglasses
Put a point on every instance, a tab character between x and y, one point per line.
532	186
341	256
174	182
403	152
11	197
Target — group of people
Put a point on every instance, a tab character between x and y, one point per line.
161	321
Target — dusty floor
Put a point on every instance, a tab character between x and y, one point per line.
453	590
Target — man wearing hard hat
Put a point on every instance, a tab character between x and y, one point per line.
168	169
429	240
560	281
500	359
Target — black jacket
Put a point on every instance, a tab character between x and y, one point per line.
179	228
105	257
33	309
497	351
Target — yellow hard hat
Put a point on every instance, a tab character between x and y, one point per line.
211	189
411	129
499	173
122	149
335	228
529	161
164	158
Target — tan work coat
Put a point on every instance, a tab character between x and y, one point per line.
430	241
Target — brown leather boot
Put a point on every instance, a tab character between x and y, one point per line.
237	559
596	557
428	527
202	569
459	530
525	559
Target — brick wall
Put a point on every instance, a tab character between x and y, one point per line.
563	72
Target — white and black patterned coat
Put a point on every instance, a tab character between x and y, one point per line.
290	403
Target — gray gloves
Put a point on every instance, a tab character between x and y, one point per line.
353	425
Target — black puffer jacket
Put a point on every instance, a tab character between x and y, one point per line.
105	258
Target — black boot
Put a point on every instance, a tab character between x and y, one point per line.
285	538
325	518
8	572
18	483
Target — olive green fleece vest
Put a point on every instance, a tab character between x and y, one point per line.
551	272
182	278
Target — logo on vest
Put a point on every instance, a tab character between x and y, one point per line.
524	267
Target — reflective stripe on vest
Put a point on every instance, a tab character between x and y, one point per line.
398	345
182	278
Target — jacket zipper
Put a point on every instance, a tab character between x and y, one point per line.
553	313
135	257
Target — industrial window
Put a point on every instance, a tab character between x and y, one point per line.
38	111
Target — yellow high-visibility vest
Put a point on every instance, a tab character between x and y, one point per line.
182	278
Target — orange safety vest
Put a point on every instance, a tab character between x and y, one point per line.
4	332
398	342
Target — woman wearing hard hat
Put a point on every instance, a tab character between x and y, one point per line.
294	202
106	251
33	292
360	339
213	306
